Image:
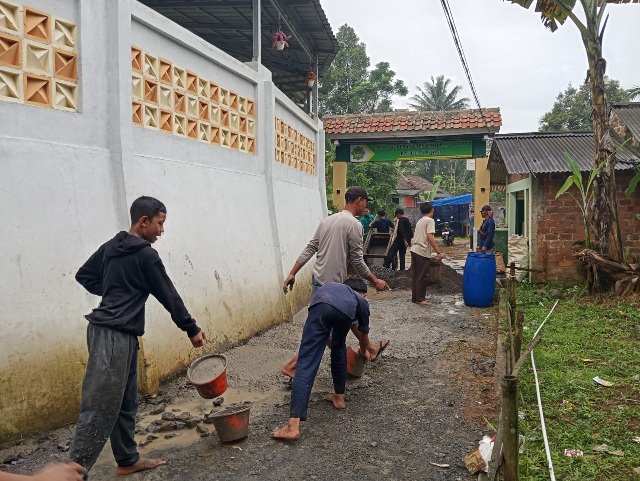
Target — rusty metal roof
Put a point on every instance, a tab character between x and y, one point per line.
629	114
541	152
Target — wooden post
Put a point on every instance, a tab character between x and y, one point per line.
510	427
513	295
511	353
482	188
339	184
518	334
496	454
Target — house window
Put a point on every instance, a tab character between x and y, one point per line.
395	200
410	201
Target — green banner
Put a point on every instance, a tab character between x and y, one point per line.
439	149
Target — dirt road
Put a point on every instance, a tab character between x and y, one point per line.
421	403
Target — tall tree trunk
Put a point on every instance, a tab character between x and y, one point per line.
604	206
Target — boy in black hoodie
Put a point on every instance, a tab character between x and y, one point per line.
124	271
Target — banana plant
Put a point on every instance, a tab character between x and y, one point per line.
430	195
591	27
585	189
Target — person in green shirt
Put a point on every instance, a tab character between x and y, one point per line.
366	219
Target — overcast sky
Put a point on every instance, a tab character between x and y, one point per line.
516	63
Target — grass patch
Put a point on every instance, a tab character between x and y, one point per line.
580	414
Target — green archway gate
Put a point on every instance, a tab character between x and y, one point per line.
413	136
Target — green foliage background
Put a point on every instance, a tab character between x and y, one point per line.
350	86
571	111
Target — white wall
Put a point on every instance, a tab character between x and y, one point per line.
236	221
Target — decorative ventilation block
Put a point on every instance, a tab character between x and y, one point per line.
37	25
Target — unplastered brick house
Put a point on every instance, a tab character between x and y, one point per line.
533	168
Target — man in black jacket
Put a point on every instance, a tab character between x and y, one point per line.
124	271
404	233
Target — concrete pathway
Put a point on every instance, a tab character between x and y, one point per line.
421	404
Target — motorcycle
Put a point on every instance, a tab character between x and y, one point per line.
447	234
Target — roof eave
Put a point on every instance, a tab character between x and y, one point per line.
413	134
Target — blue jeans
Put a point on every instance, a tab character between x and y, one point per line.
321	320
314	284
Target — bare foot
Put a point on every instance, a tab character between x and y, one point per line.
336	399
141	465
290	432
423	303
289	369
381	346
291	373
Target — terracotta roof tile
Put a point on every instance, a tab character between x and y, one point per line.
412	121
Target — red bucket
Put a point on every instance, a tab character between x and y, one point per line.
232	422
208	376
355	362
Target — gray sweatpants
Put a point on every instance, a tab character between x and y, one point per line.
109	399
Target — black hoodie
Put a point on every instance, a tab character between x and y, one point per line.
124	271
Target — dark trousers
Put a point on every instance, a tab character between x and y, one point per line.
419	276
320	321
396	247
109	399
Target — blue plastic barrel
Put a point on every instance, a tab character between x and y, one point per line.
479	279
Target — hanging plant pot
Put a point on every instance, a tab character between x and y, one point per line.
310	79
279	40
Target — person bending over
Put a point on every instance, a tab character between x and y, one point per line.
337	307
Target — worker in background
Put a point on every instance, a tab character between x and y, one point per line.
423	246
383	224
366	219
404	233
487	230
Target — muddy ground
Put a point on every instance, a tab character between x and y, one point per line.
423	402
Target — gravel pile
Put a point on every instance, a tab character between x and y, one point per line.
450	280
383	272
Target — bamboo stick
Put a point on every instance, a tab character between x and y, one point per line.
510	428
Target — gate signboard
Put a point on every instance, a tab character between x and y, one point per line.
391	152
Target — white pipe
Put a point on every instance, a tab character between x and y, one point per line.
545	319
542	423
544	427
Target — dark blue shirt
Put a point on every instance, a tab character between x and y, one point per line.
485	234
346	300
383	225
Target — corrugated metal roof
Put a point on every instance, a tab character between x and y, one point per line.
228	24
541	152
629	114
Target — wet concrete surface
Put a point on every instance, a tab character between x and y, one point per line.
421	403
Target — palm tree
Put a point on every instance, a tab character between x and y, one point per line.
435	96
634	93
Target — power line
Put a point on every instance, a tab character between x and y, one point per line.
465	66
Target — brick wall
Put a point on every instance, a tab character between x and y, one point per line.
557	225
